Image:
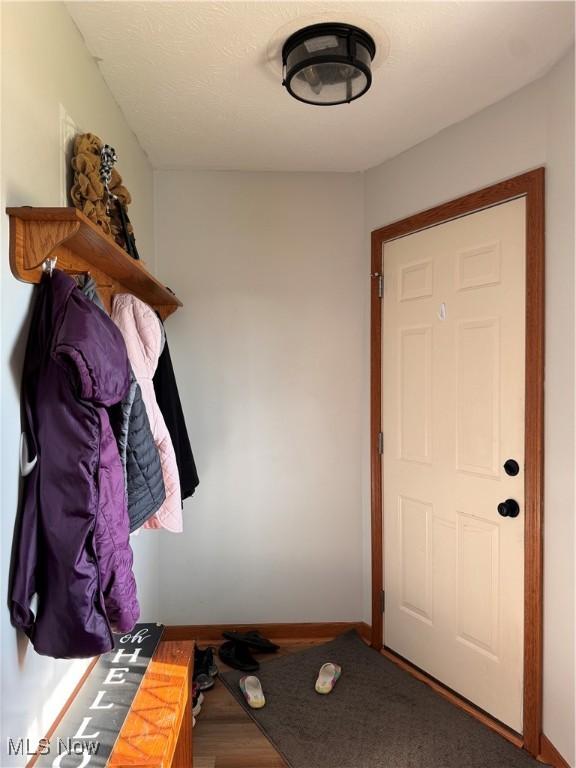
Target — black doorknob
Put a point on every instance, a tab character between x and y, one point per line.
509	508
511	467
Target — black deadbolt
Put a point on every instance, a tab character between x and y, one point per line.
511	467
509	508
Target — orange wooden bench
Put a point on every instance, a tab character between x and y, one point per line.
157	732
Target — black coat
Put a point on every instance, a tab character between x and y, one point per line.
169	403
139	457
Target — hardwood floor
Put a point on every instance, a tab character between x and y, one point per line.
225	736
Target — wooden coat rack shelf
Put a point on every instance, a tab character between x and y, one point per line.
37	234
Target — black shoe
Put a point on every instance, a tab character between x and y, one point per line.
204	668
253	640
203	681
209	661
238	656
204	659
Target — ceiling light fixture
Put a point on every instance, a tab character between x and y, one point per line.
328	64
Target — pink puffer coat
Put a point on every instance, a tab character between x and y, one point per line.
141	330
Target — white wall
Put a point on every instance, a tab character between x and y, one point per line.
271	353
255	258
268	355
45	65
533	127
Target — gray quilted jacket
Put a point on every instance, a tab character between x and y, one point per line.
136	446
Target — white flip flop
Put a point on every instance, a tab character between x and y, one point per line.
252	690
327	677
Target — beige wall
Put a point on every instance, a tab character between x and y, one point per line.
268	354
45	65
533	127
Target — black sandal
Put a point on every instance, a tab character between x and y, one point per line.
253	640
238	656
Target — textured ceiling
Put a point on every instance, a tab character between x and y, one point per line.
199	82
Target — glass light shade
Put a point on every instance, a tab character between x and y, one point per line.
328	64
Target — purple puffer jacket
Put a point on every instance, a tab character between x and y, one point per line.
72	543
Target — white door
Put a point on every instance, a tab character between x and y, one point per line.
453	414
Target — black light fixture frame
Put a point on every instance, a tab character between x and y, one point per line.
353	35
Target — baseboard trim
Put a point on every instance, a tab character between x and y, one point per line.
65	708
550	755
454	698
301	631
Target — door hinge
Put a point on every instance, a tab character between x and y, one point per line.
383	600
380	277
380	443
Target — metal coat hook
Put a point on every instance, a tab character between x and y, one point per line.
49	265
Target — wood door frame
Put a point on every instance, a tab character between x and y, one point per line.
529	185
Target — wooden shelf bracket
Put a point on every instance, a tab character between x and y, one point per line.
80	246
